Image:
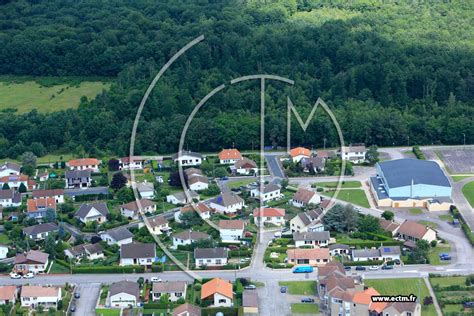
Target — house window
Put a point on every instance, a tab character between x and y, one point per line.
178	294
222	300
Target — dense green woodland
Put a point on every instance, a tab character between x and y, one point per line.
388	71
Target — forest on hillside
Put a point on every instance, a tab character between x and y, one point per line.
388	72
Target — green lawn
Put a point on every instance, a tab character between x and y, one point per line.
304	308
4	239
459	178
406	286
240	182
355	196
446	217
300	287
25	95
468	191
434	254
447	281
58	269
107	312
345	184
428	223
415	211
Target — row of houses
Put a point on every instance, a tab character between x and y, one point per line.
31	295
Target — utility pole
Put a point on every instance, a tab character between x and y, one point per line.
408	138
324	143
463	134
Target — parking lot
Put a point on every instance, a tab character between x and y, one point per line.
459	160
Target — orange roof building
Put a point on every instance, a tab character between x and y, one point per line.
365	298
7	294
84	164
219	290
229	156
40	204
313	256
299	152
269	212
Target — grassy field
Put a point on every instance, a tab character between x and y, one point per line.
4	239
58	269
355	196
428	223
26	94
446	217
304	308
300	287
240	182
459	178
434	254
415	211
107	312
447	281
415	286
345	184
468	191
440	285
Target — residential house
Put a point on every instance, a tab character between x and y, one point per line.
231	230
313	164
40	231
389	226
89	251
386	253
402	309
250	302
210	257
411	232
202	209
78	179
9	169
42	176
131	163
132	209
3	251
56	194
174	289
299	153
227	203
218	292
146	190
31	261
137	254
304	197
229	156
117	236
15	181
37	208
8	294
339	250
188	237
269	215
307	221
313	256
91	164
188	158
245	167
353	153
36	295
182	198
315	239
158	224
187	309
270	192
198	183
10	198
124	294
95	212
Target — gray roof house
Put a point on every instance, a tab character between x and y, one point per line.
219	252
137	254
92	212
40	231
10	198
77	179
316	238
127	287
119	235
181	198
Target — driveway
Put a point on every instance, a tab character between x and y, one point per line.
271	301
85	305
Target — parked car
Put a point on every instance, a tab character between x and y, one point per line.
303	269
397	261
72	309
15	276
283	289
357	209
361	268
387	267
347	268
225	178
307	300
244	260
373	268
277	235
155	279
77	295
29	275
250	287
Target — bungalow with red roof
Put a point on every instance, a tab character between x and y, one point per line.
313	256
35	295
15	181
229	156
218	292
32	261
37	208
299	153
91	164
202	209
8	294
269	215
411	232
304	197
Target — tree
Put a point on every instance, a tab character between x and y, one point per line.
50	215
220	172
368	224
205	243
113	164
50	246
372	155
175	179
284	183
28	161
22	188
350	218
190	219
118	181
5	186
125	195
334	219
388	215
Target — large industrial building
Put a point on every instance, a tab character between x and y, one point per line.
411	183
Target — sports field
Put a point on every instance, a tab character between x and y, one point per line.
24	94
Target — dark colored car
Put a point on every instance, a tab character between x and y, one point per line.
387	267
72	309
283	289
307	300
77	295
396	261
347	268
361	268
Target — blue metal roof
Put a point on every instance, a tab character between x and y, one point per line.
401	172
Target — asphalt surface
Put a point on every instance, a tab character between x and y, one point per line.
85	305
274	166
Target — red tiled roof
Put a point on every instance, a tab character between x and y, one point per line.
216	286
34	204
300	151
230	154
83	162
269	212
312	254
231	224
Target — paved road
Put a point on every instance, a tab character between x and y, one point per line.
461	203
274	166
85	305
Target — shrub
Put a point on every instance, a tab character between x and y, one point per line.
433	243
197	287
418	153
